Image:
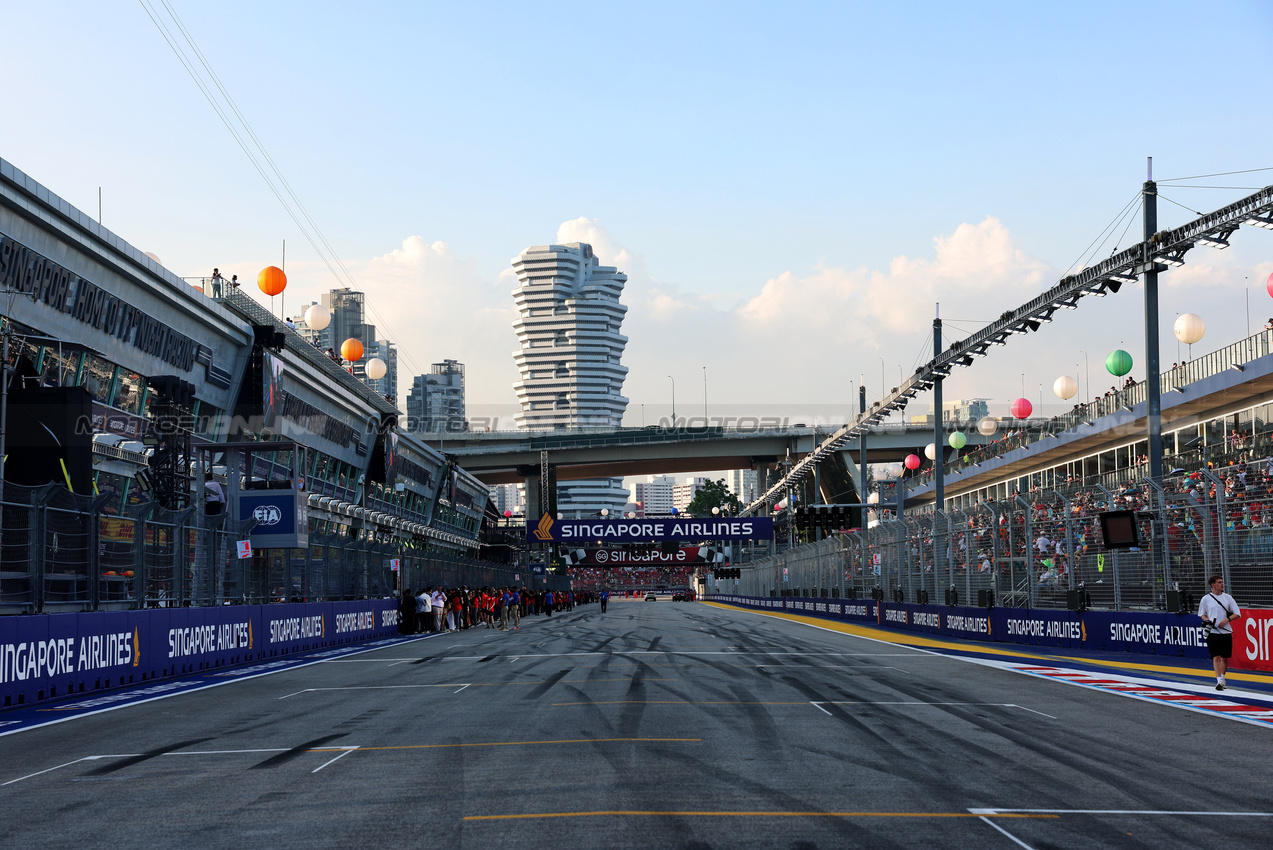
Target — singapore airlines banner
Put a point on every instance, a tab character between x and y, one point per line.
49	656
650	529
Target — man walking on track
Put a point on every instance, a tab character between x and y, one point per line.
1217	610
605	598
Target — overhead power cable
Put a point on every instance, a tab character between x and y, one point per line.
1217	174
277	184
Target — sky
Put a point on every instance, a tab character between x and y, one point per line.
791	188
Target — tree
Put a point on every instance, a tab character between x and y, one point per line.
713	494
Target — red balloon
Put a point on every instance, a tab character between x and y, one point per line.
912	462
507	514
1021	408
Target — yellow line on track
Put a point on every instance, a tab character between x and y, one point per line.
905	639
515	744
754	815
678	702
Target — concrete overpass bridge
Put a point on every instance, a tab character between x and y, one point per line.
509	457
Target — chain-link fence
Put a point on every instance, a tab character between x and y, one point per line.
1035	549
63	552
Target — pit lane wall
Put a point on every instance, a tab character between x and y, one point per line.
50	656
1154	633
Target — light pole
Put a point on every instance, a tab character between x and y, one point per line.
705	395
1087	377
673	380
882	379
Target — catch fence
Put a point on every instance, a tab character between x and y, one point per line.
1034	548
65	552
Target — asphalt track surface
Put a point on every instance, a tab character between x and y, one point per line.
661	724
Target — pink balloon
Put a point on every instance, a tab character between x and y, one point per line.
507	513
1021	408
912	461
1268	284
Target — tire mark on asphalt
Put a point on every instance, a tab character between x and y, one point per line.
540	690
296	752
146	756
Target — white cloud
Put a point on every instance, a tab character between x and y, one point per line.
434	305
860	304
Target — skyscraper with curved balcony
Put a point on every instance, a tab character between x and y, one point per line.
567	327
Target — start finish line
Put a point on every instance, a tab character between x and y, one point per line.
650	530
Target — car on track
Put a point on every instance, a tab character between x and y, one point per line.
650	597
680	596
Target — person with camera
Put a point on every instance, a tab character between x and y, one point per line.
1217	610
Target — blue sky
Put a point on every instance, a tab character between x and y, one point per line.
790	186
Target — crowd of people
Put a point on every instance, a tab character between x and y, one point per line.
438	609
636	578
1056	533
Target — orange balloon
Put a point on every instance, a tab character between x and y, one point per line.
351	349
271	280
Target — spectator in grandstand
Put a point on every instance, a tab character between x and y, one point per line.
1218	610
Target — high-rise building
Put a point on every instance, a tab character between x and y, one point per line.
742	483
959	413
348	309
654	495
568	323
684	493
388	352
436	401
508	497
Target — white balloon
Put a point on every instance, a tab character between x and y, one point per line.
1065	387
873	499
317	317
1189	328
376	368
895	470
987	426
930	451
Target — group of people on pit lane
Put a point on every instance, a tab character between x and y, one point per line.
437	609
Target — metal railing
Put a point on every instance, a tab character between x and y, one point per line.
1031	549
1032	431
63	552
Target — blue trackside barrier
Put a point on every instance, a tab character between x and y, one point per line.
49	656
1154	633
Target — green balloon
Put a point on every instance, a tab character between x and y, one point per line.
957	440
1119	362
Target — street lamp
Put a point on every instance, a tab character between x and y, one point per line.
673	380
1088	375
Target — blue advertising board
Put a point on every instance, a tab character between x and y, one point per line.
649	529
281	518
50	656
1156	633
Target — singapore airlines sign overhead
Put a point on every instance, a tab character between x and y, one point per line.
650	529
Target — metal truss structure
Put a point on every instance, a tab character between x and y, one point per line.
1164	250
